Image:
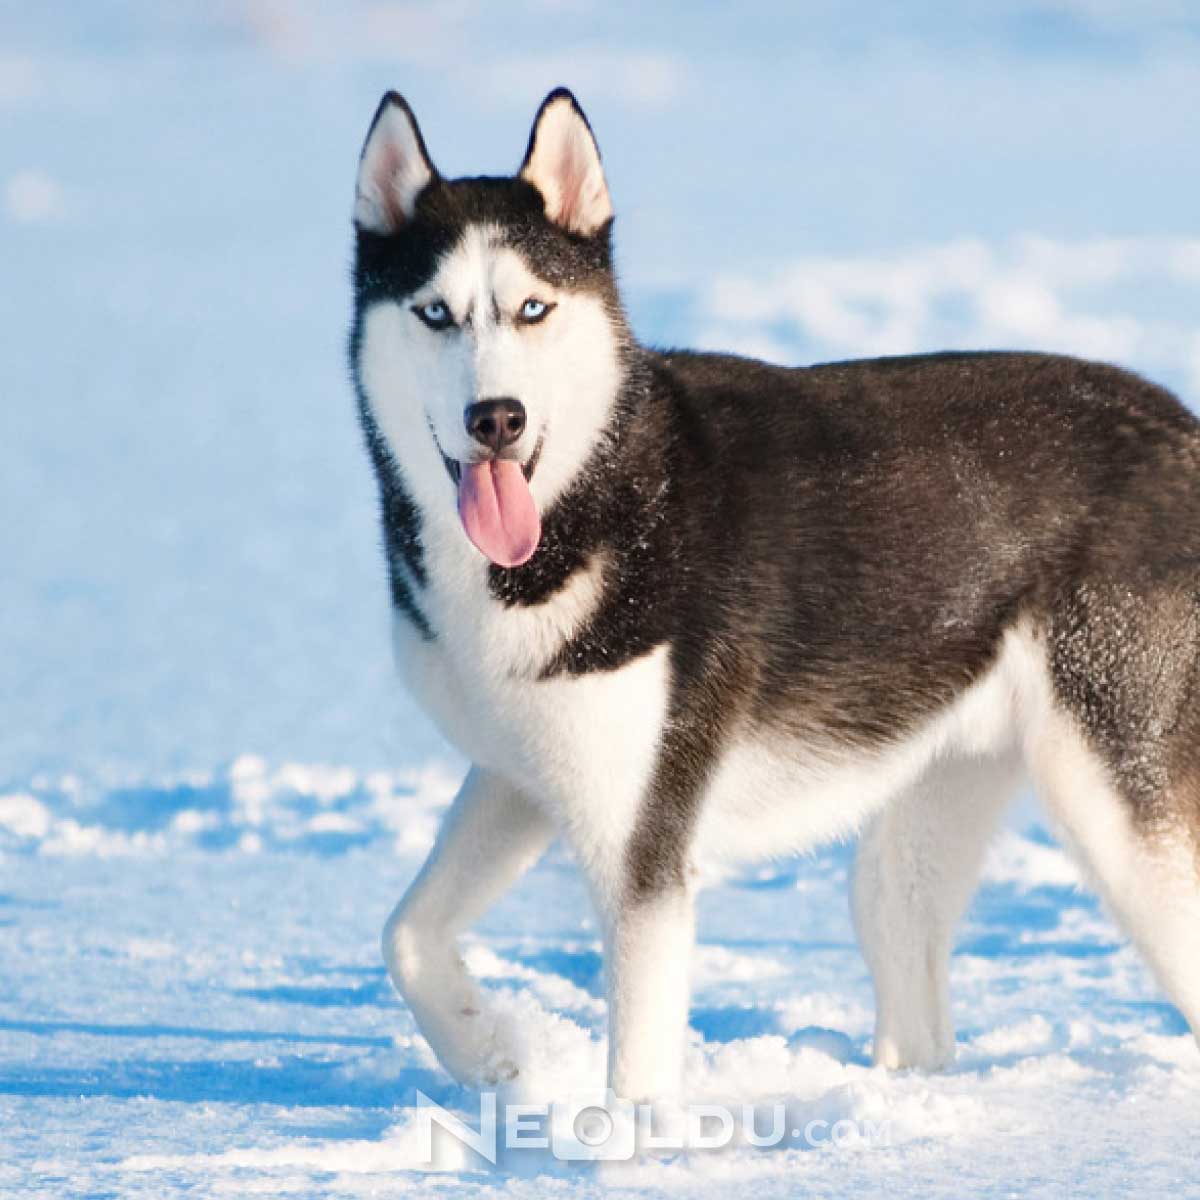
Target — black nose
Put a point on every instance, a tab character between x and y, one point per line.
496	423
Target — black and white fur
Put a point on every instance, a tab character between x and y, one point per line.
769	607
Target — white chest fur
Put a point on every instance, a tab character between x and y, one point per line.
582	747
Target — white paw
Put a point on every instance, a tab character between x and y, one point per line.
487	1056
503	1071
920	1054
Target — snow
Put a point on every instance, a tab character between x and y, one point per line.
212	791
184	1009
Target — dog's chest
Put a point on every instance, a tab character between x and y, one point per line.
572	741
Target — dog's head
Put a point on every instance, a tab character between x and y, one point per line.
488	338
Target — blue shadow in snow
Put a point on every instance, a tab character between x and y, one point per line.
376	992
330	1080
1008	944
1169	1020
733	1022
1009	913
152	809
8	900
312	965
583	968
837	1045
51	1028
291	1081
784	875
1038	908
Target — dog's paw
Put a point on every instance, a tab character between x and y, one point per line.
504	1071
487	1056
914	1053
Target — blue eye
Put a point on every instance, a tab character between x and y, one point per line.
435	314
533	310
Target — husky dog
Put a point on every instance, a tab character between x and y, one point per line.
676	605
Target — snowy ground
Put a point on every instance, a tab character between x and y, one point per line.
193	1004
191	996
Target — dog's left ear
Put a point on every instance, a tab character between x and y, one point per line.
562	162
393	169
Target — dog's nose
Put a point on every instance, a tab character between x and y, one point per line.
496	423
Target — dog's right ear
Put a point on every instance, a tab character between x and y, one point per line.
393	170
563	163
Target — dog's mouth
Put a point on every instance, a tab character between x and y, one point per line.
454	468
495	505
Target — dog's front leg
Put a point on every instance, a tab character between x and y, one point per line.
640	873
489	837
648	950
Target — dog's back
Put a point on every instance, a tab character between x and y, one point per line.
867	531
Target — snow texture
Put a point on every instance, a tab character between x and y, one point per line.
193	1003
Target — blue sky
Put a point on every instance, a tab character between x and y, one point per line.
193	568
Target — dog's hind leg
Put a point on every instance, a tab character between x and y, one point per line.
1114	748
489	837
916	868
1145	866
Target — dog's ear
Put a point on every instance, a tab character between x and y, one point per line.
393	170
562	162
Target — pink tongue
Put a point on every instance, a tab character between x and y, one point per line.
498	512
